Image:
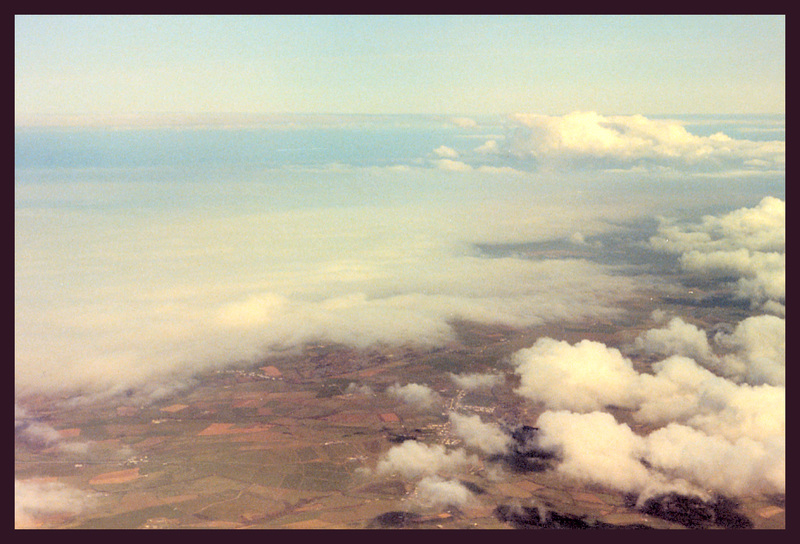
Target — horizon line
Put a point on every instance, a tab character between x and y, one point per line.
233	119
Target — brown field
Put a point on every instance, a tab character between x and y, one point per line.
230	428
117	477
175	408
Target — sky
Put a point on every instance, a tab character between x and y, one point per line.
459	64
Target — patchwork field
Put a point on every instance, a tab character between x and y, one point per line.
295	445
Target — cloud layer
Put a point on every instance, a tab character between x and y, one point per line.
166	294
138	277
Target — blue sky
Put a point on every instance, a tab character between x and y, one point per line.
399	64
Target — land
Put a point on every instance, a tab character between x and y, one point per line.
283	444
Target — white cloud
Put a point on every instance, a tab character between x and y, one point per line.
34	499
489	146
723	432
593	140
28	429
487	437
488	169
584	377
433	492
41	435
748	244
590	376
755	352
476	381
453	166
257	310
234	281
464	122
577	238
761	275
413	459
446	152
595	448
759	350
677	338
224	288
683	391
359	389
761	228
420	396
733	467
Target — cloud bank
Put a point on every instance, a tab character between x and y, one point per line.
139	277
591	140
164	295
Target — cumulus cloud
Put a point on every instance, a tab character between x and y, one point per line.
487	437
762	276
593	140
584	377
464	122
733	467
758	353
595	448
754	352
476	381
420	396
747	244
453	166
683	391
37	499
433	491
413	459
446	152
761	228
589	376
489	146
722	431
677	338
